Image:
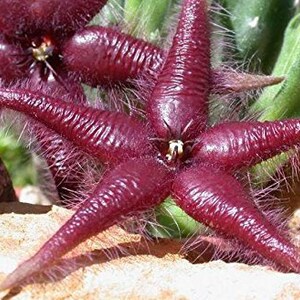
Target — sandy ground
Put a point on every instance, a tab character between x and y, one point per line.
118	265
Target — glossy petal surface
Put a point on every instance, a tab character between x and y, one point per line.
178	104
218	200
171	151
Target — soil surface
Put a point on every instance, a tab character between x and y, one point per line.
118	265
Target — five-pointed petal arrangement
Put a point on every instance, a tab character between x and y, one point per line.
48	45
173	151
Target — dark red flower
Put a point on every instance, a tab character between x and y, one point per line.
33	34
173	151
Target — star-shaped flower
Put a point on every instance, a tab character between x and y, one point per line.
173	151
48	45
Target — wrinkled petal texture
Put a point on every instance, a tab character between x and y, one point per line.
178	105
125	191
109	55
109	136
240	144
218	200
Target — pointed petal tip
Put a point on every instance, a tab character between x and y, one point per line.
20	274
277	79
6	284
227	82
268	80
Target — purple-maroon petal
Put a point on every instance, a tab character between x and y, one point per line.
46	16
11	56
179	103
109	136
125	191
64	162
238	144
227	82
100	55
218	200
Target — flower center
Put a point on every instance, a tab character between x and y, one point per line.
175	150
43	51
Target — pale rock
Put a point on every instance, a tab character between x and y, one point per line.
128	267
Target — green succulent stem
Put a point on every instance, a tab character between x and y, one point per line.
17	160
282	100
174	222
258	26
146	17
